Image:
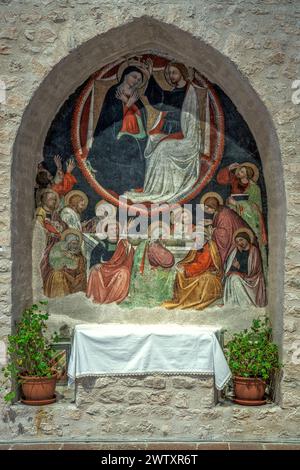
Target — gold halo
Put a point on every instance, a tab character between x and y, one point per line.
252	166
212	194
71	231
76	192
244	230
138	65
50	191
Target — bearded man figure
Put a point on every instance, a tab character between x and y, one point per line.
198	282
246	200
76	202
67	268
222	222
172	154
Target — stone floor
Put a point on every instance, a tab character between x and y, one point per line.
177	446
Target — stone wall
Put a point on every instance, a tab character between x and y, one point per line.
251	50
152	406
148	408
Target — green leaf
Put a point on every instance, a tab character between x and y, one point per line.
251	352
29	350
9	396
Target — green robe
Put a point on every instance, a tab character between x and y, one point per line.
251	212
151	288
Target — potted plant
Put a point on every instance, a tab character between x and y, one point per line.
31	356
253	359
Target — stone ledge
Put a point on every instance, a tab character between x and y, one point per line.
57	406
222	405
102	446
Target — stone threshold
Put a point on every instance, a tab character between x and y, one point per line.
103	446
61	405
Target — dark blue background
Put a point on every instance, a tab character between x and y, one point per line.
239	147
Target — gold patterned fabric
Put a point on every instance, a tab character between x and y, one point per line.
198	291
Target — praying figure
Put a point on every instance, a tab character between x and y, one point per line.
61	183
117	151
172	153
245	199
244	278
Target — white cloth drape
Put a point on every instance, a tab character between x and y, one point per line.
129	349
173	165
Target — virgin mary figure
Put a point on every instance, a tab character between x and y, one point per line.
173	149
119	140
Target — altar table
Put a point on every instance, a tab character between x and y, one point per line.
129	349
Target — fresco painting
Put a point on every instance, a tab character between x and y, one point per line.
150	130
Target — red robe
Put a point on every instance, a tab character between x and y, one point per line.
225	223
130	123
109	281
202	262
159	256
225	176
65	185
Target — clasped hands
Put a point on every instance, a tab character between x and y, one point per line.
128	101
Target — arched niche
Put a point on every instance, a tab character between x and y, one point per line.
141	35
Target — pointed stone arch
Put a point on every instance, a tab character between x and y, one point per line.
140	35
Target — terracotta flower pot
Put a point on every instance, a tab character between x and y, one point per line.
249	391
38	390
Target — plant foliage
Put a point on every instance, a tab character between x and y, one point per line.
30	352
251	353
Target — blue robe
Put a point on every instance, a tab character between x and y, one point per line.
118	159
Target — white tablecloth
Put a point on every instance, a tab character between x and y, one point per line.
129	349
